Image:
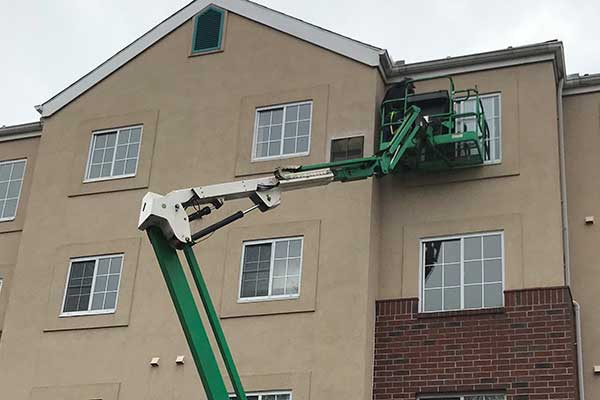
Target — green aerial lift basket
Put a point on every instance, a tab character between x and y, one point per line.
449	138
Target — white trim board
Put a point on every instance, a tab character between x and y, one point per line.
334	42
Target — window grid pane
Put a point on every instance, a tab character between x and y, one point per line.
462	273
347	148
93	284
283	131
491	108
114	153
11	181
271	269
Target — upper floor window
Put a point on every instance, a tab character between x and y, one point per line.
491	108
114	154
462	272
347	148
208	31
265	396
282	131
11	181
271	269
92	285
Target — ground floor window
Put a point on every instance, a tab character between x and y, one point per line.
266	396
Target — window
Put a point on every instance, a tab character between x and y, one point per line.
92	285
208	31
114	154
1	282
347	148
467	397
271	269
266	396
292	121
491	108
462	272
11	181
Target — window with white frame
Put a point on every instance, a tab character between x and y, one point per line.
271	269
467	397
1	282
92	285
462	272
282	131
11	181
265	396
491	109
114	153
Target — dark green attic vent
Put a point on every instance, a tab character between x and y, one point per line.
208	30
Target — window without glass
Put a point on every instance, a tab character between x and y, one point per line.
11	181
271	269
208	31
462	272
114	153
467	397
347	148
92	285
491	108
282	131
266	396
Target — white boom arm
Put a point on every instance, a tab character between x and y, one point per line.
169	213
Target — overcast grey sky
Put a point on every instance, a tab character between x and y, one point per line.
47	45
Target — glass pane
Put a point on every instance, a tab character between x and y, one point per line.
281	249
121	152
100	285
135	136
132	150
295	247
263	134
105	170
275	133
302	144
339	149
291	113
130	166
110	300
280	267
111	138
492	247
277	116
452	299
115	265
119	168
261	149
103	265
264	118
492	295
95	171
492	270
452	275
293	267
113	282
355	147
472	272
304	111
3	189
274	148
290	129
97	156
251	253
18	170
289	146
278	286
248	289
100	141
433	300
473	248
432	252
10	209
14	187
303	128
291	285
262	288
433	276
98	301
264	253
451	251
5	170
473	296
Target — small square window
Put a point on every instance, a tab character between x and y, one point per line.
491	107
282	131
114	154
208	31
347	148
92	285
463	272
271	269
11	182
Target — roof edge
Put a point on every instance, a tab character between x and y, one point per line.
546	51
581	84
21	131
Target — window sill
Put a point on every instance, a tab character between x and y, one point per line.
262	299
7	219
109	178
460	313
86	313
204	53
281	157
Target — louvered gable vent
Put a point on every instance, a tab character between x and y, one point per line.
208	30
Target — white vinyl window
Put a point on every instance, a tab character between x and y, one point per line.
271	269
467	397
11	181
491	109
92	285
266	396
114	154
462	272
282	131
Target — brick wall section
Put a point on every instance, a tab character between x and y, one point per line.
525	349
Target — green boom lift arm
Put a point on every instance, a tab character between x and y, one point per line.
411	138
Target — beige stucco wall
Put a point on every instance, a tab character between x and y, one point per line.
582	138
519	196
10	231
192	109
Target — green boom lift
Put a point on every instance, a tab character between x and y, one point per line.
418	131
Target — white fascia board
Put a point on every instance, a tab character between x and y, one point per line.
334	42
